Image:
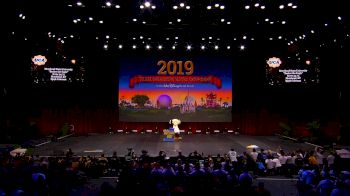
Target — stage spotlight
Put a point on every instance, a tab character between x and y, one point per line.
242	47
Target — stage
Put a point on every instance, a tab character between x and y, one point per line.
209	144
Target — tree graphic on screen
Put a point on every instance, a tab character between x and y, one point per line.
140	100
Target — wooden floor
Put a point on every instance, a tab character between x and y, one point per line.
95	144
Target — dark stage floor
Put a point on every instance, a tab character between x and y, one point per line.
95	144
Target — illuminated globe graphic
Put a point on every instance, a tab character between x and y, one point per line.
164	101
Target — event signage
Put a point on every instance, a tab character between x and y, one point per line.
39	60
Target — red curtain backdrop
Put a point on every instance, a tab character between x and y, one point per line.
98	120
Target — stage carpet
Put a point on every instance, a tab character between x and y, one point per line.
212	144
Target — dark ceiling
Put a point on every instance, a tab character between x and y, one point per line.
97	24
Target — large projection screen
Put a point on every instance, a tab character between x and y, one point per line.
153	89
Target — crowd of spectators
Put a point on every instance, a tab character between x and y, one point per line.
318	173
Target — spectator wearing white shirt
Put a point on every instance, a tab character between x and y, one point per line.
233	155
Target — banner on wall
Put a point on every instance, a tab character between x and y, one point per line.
194	90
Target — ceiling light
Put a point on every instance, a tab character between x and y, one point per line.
247	7
216	5
101	21
209	7
281	7
153	7
222	20
262	7
188	47
256	5
222	7
182	5
108	4
241	47
339	18
175	7
120	46
141	6
134	19
79	3
294	6
228	47
173	47
147	4
290	4
283	22
160	47
216	47
202	47
188	7
133	46
148	47
117	6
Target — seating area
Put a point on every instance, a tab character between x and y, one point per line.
196	173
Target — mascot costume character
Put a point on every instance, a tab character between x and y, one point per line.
175	122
